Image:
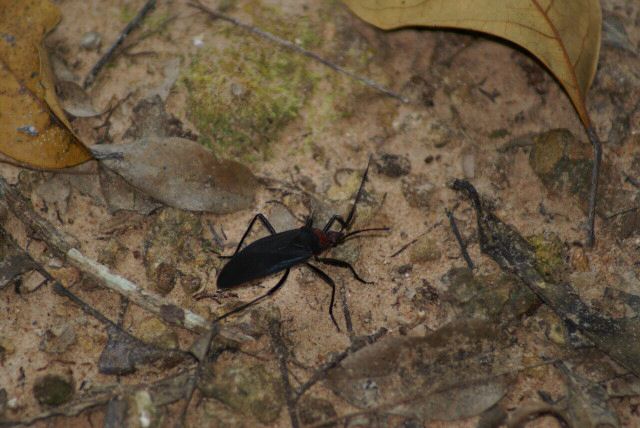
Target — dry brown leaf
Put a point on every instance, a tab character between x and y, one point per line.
181	173
74	100
456	372
33	127
563	35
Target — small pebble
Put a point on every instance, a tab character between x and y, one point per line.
91	41
55	263
469	165
198	41
31	281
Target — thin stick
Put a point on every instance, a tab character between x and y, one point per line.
356	345
345	310
461	243
413	241
593	194
149	301
407	245
165	391
135	22
277	341
298	49
64	246
86	308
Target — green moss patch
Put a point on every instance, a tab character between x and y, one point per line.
242	91
242	96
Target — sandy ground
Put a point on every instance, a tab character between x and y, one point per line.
469	95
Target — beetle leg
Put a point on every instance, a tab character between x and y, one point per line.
347	223
256	300
266	224
326	278
343	264
332	220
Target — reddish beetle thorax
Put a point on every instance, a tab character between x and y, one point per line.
328	239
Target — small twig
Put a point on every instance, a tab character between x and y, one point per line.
154	303
622	212
122	310
86	308
135	22
356	345
202	357
64	246
217	239
407	245
298	49
634	182
413	241
345	310
593	194
461	243
163	392
107	120
159	28
280	347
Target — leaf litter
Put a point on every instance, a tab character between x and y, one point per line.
456	372
442	391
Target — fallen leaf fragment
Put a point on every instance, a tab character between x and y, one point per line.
74	100
13	261
120	195
619	338
563	35
123	353
181	173
455	372
587	402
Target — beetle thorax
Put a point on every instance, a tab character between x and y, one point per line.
328	239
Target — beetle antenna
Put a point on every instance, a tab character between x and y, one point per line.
349	219
357	232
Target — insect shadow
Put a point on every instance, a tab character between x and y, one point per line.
282	251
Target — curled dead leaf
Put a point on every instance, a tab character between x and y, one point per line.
563	35
74	100
33	128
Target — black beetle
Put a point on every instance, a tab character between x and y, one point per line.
284	250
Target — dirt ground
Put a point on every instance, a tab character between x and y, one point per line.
478	107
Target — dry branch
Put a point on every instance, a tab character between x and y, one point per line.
104	59
65	247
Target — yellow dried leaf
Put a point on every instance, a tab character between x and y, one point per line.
33	127
564	35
